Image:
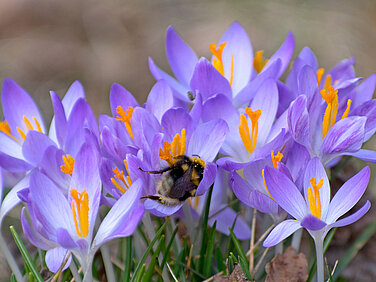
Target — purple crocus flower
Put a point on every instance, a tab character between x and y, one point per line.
314	211
231	71
61	224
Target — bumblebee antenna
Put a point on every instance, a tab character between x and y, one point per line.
195	155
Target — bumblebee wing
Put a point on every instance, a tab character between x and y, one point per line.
181	188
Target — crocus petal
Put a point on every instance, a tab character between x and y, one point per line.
285	193
196	110
242	189
316	169
35	145
75	92
56	257
307	83
348	195
35	238
367	109
237	56
220	106
207	139
309	57
353	217
284	53
121	220
11	199
119	96
364	91
311	222
262	202
181	57
208	81
160	99
65	239
343	70
281	231
60	121
365	155
226	219
207	179
158	74
11	157
176	119
1	185
298	121
16	104
159	209
346	135
265	100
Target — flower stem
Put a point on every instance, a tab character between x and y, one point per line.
319	259
11	261
296	238
108	264
251	248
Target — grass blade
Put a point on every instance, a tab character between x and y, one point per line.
128	259
209	251
355	248
149	273
166	252
148	250
238	246
26	256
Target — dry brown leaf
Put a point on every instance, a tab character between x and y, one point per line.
236	275
288	266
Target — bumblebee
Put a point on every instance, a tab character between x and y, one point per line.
179	182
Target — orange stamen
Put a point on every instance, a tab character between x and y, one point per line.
4	127
120	175
331	98
276	159
259	62
314	197
176	148
125	117
346	113
80	211
218	61
68	165
249	140
263	178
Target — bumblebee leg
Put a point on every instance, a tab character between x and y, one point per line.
156	171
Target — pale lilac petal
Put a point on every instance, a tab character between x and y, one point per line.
208	81
309	57
242	189
364	91
262	202
11	199
347	135
35	238
239	50
348	195
265	100
11	157
207	179
196	110
75	92
59	124
281	231
367	109
311	222
119	96
181	57
160	99
176	119
285	193
316	169
159	209
285	97
1	185
343	70
35	145
297	160
16	104
275	144
65	239
307	83
120	220
284	53
253	173
365	155
226	219
158	74
353	217
56	257
298	121
207	139
220	106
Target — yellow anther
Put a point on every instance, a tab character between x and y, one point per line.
259	62
80	211
176	148
320	73
68	165
196	202
346	113
125	117
120	175
263	178
314	197
37	124
249	140
218	61
331	98
4	127
328	81
23	135
276	159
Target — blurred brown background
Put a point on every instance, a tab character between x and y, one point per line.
46	45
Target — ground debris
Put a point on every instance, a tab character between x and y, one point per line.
288	266
236	275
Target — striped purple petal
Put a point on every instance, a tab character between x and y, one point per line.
281	232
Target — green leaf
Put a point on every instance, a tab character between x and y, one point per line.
13	278
204	229
238	246
359	243
128	259
329	271
140	273
327	241
26	256
148	250
166	252
149	273
209	251
219	259
245	267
